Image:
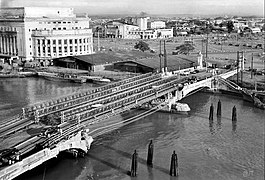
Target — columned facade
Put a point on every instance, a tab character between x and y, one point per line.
31	37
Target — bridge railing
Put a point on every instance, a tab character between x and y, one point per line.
30	109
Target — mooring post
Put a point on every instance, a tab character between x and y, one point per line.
219	108
174	165
134	164
150	154
211	112
234	117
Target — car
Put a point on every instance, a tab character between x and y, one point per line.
46	132
9	156
230	44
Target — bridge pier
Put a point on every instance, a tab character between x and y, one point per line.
80	142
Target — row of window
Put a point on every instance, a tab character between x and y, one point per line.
58	22
61	50
8	29
65	41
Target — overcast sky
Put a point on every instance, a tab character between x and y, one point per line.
234	7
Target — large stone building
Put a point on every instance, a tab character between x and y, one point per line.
38	33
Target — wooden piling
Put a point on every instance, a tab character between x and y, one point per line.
150	154
134	164
234	116
211	113
174	165
219	108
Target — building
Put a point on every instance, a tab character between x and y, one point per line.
157	25
39	33
165	33
146	65
141	22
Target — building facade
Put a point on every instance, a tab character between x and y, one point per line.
157	24
37	33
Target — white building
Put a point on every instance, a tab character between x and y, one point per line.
37	33
255	30
127	31
165	33
142	23
157	24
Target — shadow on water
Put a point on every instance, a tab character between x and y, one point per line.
108	164
140	160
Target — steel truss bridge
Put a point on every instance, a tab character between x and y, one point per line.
79	110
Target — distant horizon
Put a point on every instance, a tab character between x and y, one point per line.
152	7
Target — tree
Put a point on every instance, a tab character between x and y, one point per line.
142	46
185	49
230	26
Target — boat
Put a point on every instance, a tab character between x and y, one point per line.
176	107
61	77
101	81
11	75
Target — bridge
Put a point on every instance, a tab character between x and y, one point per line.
89	109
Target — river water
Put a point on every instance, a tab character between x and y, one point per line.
204	152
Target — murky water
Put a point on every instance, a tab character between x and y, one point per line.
204	152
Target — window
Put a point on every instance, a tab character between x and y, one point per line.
64	28
38	41
54	28
59	28
75	41
64	22
80	40
54	41
54	49
65	41
71	48
59	41
65	49
71	41
84	41
60	49
30	39
80	48
29	30
48	41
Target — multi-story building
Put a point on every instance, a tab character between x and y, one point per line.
38	33
157	25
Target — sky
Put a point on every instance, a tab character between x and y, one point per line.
204	7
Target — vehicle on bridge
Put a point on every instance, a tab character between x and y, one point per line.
9	156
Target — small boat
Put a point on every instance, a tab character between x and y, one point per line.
61	77
180	107
176	107
101	81
2	75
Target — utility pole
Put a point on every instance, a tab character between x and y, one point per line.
252	66
165	57
237	67
242	65
160	55
98	41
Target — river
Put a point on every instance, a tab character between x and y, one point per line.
204	152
